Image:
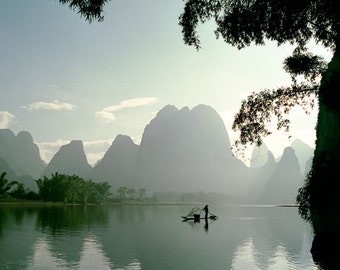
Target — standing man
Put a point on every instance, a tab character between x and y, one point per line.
206	210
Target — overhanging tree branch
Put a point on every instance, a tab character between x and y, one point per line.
259	108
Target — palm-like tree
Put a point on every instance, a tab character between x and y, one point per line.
5	184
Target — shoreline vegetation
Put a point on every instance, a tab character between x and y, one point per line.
61	189
42	203
125	202
72	190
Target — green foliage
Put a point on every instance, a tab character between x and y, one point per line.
303	198
131	192
240	23
122	191
102	190
13	190
259	109
125	194
72	189
5	185
19	192
90	9
306	64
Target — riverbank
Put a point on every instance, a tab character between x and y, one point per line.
123	202
128	202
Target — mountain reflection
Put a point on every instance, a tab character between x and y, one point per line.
245	257
152	237
92	256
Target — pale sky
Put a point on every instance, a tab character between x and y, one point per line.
64	79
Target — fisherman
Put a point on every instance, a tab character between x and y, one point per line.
206	210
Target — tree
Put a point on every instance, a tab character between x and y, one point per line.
72	189
141	193
19	192
131	192
5	184
101	191
56	188
122	191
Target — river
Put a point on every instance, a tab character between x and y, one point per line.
153	237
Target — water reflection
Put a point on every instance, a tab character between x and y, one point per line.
197	225
245	257
91	257
43	258
68	219
152	237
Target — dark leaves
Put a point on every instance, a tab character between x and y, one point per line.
197	11
90	9
306	64
259	109
241	23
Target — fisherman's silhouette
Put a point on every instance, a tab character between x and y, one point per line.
206	210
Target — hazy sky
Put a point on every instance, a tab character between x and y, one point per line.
64	79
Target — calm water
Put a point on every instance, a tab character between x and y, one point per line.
152	237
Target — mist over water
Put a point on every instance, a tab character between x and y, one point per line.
152	237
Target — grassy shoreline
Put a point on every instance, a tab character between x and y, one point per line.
126	202
42	203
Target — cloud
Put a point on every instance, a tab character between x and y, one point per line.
130	103
6	119
106	116
95	150
107	112
50	106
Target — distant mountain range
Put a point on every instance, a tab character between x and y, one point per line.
180	151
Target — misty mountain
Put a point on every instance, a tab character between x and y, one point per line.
11	175
187	150
304	154
117	165
5	167
259	177
181	150
284	182
280	177
20	154
259	156
70	159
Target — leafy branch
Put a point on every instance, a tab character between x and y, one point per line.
259	108
92	10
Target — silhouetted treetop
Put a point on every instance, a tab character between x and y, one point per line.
306	64
241	22
91	10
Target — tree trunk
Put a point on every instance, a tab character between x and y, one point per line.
325	180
